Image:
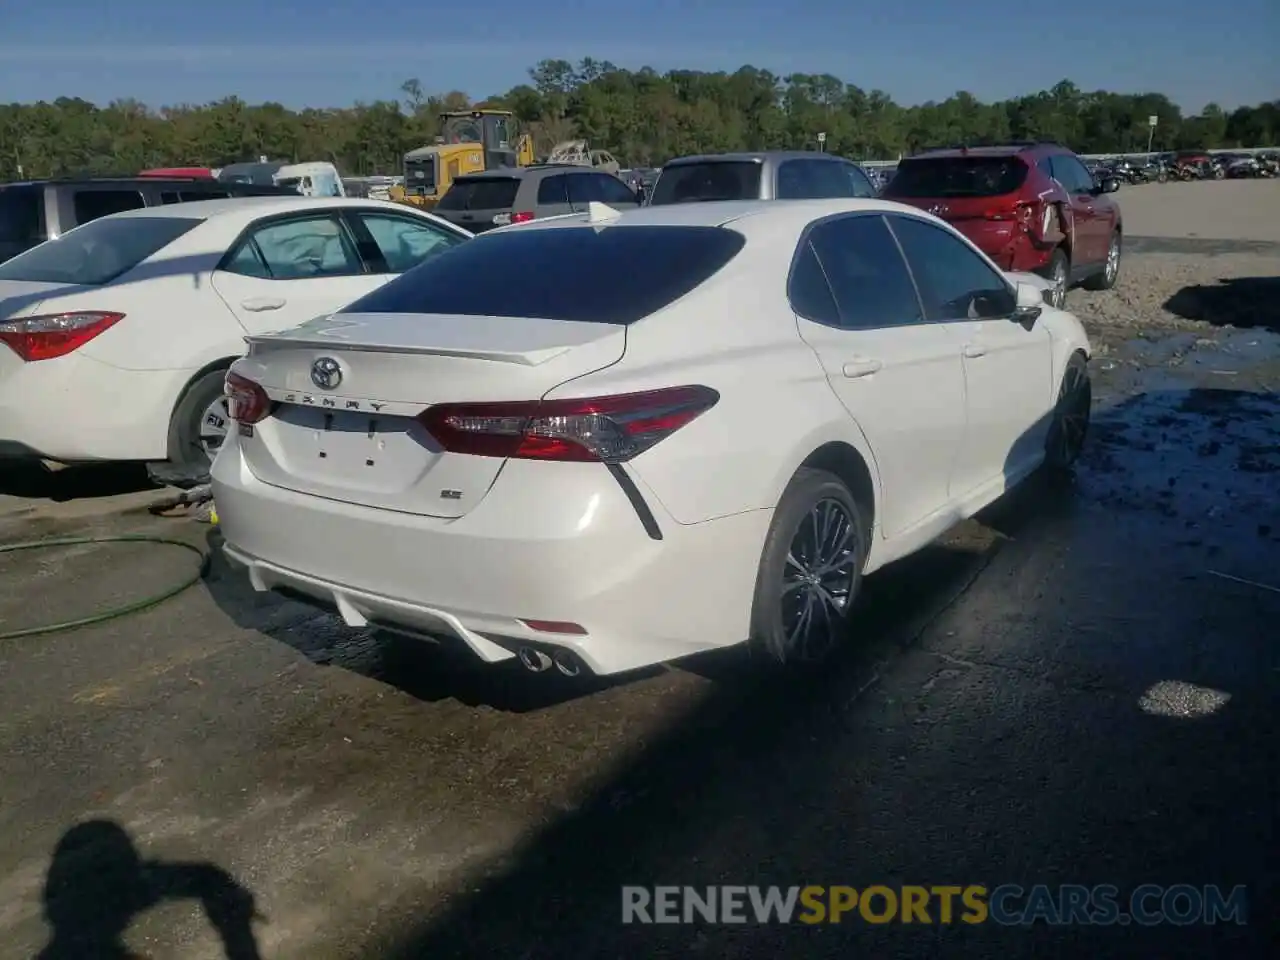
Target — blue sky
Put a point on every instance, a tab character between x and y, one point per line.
334	52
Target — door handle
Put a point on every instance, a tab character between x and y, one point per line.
974	350
259	304
861	368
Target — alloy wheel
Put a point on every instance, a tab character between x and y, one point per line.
1113	260
1058	285
818	581
213	427
1074	401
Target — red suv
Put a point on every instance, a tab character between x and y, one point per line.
1030	207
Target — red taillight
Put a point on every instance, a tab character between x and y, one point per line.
54	334
594	429
521	217
247	402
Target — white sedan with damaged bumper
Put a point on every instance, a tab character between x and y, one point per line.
611	440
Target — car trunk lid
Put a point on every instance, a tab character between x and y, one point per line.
18	297
350	432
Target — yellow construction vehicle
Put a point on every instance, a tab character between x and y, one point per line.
470	141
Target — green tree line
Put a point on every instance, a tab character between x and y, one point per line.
642	116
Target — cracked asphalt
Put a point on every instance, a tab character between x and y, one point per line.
1078	687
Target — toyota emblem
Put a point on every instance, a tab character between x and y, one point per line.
326	373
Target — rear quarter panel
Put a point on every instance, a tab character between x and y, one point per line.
736	334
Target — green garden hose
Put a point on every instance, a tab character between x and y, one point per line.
112	614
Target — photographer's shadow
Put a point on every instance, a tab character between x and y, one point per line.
98	883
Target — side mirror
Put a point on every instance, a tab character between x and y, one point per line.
1109	185
1029	303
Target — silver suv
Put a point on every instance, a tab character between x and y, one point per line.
769	175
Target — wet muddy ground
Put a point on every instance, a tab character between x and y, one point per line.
1078	687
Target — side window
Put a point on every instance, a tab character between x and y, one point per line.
612	190
247	261
866	271
168	197
955	282
582	189
859	182
92	204
553	190
188	197
1072	174
808	290
405	243
794	181
301	249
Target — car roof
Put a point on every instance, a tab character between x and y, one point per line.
991	150
754	156
748	215
520	173
251	207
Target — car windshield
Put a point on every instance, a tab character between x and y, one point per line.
617	275
97	252
957	177
707	181
21	220
489	193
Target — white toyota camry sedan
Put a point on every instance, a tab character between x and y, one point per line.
609	440
115	338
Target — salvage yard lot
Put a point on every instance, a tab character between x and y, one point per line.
1079	687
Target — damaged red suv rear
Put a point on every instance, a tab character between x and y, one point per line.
1030	207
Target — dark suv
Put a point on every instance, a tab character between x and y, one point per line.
482	201
1030	207
38	210
768	175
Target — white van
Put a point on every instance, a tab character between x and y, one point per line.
311	179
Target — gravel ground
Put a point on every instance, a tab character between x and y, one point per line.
1077	688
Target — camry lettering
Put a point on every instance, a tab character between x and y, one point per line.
308	400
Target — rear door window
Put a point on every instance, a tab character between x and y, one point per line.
1071	173
92	204
553	190
583	189
612	190
616	275
97	252
868	276
707	181
956	177
487	193
21	220
300	249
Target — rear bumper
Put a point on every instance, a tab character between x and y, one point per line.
550	541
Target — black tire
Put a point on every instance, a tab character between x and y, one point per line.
188	455
1071	413
1111	270
1058	269
777	607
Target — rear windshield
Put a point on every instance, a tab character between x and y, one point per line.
957	177
97	252
615	275
21	220
713	180
491	193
